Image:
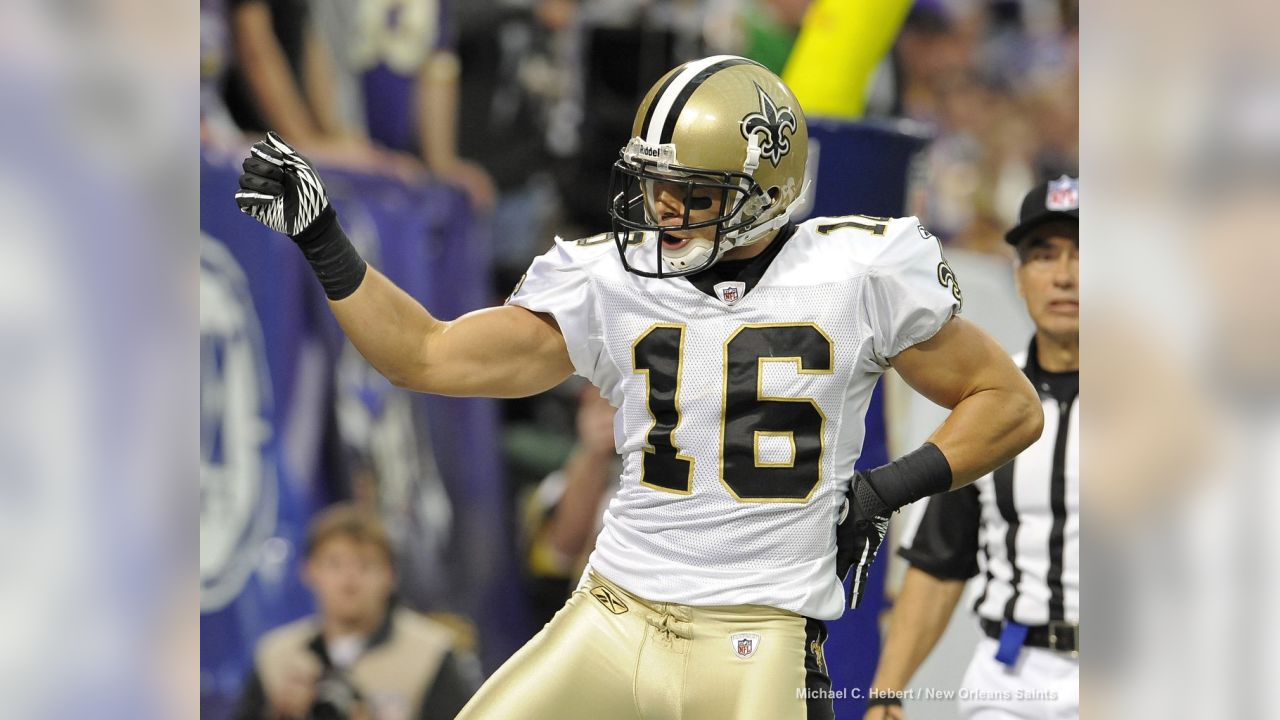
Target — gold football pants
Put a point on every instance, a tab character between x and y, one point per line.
609	655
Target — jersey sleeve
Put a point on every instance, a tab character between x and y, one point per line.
945	542
910	292
558	285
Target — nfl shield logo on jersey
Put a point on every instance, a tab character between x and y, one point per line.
745	644
1064	194
730	292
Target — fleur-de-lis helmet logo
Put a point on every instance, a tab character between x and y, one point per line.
769	124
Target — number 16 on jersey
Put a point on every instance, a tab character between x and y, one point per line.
748	415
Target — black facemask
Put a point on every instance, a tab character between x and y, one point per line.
630	208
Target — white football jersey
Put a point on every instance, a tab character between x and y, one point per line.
740	416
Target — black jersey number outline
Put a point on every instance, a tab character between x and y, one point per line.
748	415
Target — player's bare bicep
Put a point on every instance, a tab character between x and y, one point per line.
504	351
544	342
959	360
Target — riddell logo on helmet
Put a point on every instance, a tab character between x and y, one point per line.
646	150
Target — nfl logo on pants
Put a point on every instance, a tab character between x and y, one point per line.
745	644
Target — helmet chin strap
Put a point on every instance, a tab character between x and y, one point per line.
756	233
698	251
753	234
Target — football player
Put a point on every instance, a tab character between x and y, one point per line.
741	350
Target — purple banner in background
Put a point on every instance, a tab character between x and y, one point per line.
293	419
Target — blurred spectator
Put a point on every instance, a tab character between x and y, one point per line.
626	46
216	123
928	46
361	656
763	30
397	79
998	82
390	457
564	514
518	68
984	150
281	80
591	63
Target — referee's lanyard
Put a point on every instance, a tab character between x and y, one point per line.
1012	637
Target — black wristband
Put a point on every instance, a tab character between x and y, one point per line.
332	256
890	700
918	474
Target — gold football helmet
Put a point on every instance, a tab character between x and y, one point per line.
720	127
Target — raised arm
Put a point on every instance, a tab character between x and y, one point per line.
498	352
995	413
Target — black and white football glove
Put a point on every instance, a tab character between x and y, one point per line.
280	188
859	536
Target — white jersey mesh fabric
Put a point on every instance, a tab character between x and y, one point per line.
792	365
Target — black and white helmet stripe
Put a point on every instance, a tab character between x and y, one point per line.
303	196
664	111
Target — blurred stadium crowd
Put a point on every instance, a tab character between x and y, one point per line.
517	109
521	102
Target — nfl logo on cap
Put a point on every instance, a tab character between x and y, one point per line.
1063	195
745	644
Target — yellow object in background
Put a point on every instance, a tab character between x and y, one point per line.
840	45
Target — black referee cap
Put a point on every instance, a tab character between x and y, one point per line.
1054	200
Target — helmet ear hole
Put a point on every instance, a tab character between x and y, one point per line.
774	194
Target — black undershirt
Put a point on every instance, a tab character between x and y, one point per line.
747	271
1063	386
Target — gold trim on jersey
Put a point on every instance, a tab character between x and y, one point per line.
761	397
675	401
879	227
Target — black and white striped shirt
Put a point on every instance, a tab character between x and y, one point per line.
1020	525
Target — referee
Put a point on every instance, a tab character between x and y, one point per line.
1019	526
